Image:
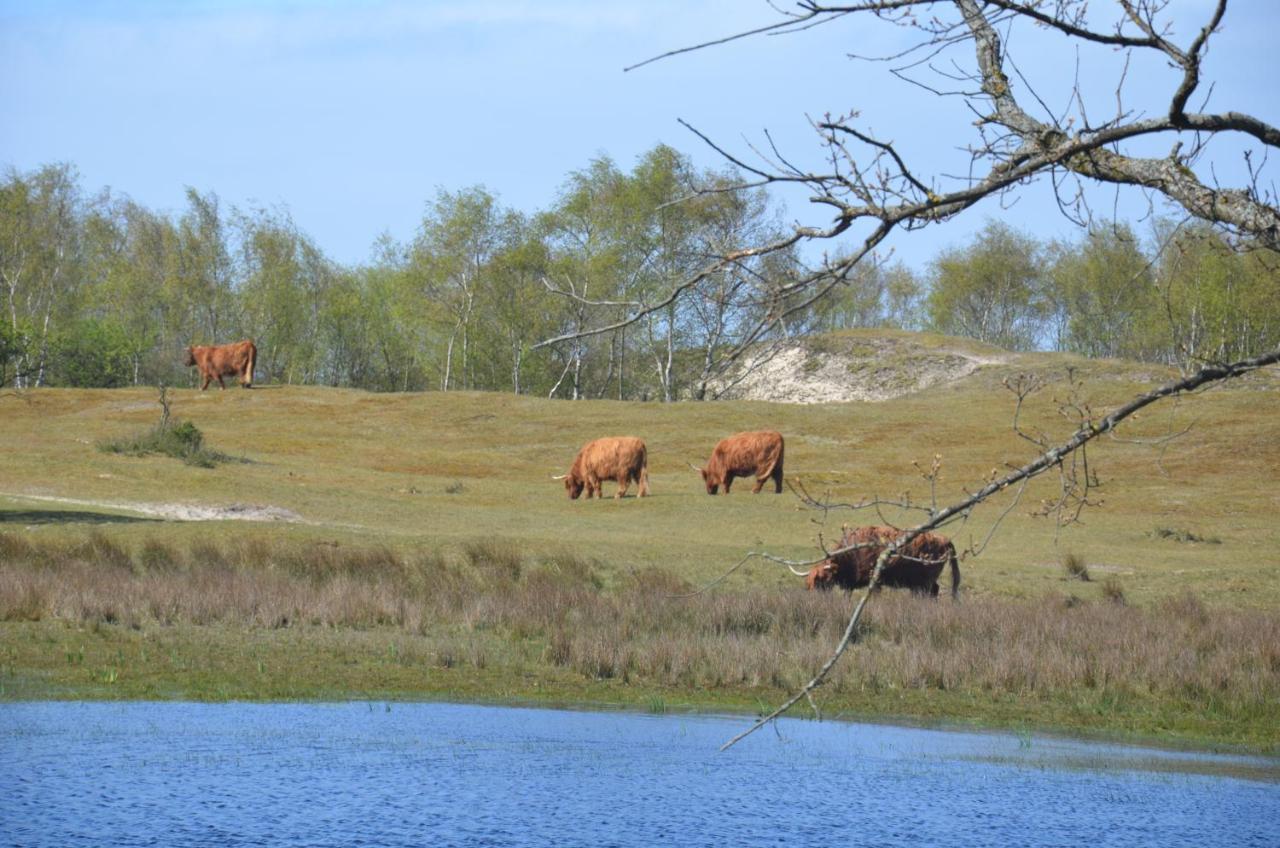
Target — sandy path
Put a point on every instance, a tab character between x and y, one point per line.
177	511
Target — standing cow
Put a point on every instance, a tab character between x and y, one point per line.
915	566
756	455
621	458
229	360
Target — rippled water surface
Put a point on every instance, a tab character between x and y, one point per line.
448	774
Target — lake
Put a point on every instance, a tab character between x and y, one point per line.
401	774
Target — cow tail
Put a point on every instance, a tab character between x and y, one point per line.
955	574
253	361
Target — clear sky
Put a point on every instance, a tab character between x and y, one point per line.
351	114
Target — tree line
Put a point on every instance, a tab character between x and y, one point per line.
101	291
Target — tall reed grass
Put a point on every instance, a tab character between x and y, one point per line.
489	604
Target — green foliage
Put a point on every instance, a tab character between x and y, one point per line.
178	439
992	290
874	296
42	263
1220	303
104	292
92	352
13	349
1104	297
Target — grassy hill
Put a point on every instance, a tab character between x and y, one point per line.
415	546
441	470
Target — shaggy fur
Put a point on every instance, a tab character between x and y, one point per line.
621	458
916	566
228	360
756	455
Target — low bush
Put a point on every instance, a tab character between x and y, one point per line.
178	439
1075	567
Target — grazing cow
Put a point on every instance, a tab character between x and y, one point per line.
621	458
915	566
756	455
229	360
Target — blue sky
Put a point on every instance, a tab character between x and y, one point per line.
351	114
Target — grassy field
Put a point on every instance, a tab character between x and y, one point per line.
447	475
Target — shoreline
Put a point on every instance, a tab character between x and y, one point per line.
1172	756
110	663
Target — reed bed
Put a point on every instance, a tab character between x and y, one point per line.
489	605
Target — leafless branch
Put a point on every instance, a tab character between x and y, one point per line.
1051	458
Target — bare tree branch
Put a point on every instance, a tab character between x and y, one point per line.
1051	458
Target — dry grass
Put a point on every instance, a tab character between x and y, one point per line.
438	470
542	616
435	548
1075	567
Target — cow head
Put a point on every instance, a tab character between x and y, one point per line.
821	576
573	485
190	358
710	479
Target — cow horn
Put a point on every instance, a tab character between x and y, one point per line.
558	476
798	573
694	467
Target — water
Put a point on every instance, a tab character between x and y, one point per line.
447	774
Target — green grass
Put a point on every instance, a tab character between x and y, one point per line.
267	620
182	440
447	469
465	476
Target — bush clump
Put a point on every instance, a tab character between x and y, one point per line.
182	441
178	439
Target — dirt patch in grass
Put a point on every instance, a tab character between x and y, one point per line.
837	368
178	511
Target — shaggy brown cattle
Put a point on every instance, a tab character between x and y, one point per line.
756	455
916	566
621	458
228	360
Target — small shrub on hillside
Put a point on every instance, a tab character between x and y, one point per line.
1179	535
1113	591
1076	567
180	440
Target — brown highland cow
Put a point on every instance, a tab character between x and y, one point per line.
915	566
229	360
621	458
756	455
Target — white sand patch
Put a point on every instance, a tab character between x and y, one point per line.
872	370
178	511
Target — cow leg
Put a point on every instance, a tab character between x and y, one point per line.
755	490
623	483
205	384
221	384
777	479
728	481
